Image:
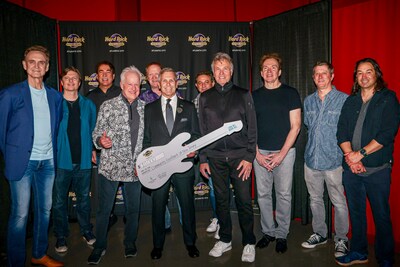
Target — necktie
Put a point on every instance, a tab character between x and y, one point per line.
169	117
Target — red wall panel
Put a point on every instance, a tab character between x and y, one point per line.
370	29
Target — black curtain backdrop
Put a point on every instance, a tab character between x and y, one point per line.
20	29
302	37
186	47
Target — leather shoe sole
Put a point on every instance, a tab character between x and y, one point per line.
46	261
281	245
156	253
193	251
264	241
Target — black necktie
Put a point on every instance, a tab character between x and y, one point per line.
169	116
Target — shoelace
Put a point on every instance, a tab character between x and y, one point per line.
341	245
247	249
314	238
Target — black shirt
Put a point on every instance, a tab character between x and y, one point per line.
74	130
98	96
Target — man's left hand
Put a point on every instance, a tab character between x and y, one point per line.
245	169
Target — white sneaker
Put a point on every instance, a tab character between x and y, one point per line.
213	226
249	253
216	235
219	248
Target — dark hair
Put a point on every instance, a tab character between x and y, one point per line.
105	62
268	56
380	83
205	72
324	63
38	48
70	68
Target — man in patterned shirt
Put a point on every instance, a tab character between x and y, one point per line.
119	134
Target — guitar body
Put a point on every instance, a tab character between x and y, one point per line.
155	165
169	161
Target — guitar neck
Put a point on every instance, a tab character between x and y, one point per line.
207	139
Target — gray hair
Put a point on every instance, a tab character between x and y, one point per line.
167	69
222	56
131	69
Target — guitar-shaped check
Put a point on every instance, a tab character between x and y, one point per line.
155	165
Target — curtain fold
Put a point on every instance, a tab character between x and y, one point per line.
302	37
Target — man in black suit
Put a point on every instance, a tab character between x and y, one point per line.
164	119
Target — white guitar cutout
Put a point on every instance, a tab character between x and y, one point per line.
155	165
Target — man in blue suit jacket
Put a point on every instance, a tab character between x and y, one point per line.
30	113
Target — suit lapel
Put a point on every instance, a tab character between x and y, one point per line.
52	108
26	92
178	115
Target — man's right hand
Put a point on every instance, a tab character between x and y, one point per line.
105	141
205	170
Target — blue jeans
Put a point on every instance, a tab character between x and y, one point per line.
39	176
131	194
80	180
212	198
377	188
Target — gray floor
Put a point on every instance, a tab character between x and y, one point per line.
175	254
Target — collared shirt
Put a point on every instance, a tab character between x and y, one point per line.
174	102
149	96
321	119
134	120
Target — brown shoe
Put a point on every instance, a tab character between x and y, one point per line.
46	261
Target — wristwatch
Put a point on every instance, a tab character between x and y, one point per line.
364	153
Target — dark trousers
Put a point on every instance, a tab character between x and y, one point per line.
183	187
224	173
375	187
107	191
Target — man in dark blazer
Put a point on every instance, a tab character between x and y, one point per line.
156	133
30	113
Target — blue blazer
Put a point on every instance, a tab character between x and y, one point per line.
16	126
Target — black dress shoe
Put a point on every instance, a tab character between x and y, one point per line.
193	251
156	253
281	245
264	241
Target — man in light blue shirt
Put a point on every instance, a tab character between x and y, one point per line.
30	113
323	158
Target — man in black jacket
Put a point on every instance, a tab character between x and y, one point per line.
367	128
229	160
159	131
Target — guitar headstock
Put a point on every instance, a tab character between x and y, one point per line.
233	126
